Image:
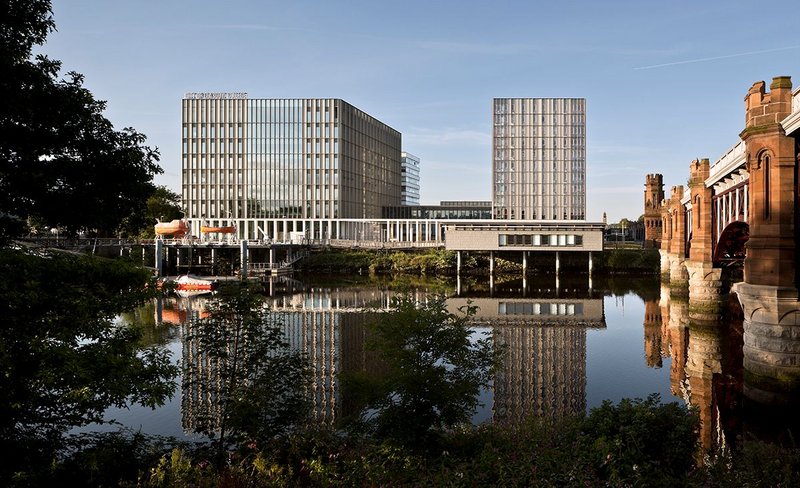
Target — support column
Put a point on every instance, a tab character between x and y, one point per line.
213	261
243	259
159	258
558	263
491	263
524	263
458	263
591	264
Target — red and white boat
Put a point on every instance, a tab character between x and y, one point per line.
176	228
192	283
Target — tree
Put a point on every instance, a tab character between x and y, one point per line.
61	161
63	360
435	367
242	361
163	204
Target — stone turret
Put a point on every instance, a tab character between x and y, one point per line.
673	238
700	197
769	293
771	164
653	196
705	281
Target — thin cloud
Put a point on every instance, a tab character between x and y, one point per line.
476	47
613	190
715	58
448	136
462	167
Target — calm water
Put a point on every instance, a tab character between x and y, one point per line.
569	346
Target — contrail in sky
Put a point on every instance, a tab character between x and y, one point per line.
700	60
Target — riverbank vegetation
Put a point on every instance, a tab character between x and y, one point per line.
443	262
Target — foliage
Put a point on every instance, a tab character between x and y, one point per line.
62	162
569	452
163	205
63	358
434	370
244	363
621	261
106	459
638	440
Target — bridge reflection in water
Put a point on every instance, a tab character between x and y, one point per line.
543	372
707	372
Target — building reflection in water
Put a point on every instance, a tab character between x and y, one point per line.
542	374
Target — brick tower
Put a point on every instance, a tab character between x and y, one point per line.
653	196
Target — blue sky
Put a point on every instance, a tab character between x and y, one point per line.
664	81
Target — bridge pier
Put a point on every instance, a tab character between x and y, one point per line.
771	343
769	295
705	291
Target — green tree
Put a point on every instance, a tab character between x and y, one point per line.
435	367
163	204
258	382
62	163
63	358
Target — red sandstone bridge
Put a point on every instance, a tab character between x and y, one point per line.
743	208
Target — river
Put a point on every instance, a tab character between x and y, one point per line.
570	345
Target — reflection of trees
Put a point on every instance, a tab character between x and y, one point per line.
241	380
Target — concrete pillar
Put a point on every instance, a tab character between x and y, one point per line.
458	263
159	258
591	264
243	258
491	263
213	261
524	263
271	256
558	263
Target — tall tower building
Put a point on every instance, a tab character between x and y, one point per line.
409	179
539	158
247	158
653	196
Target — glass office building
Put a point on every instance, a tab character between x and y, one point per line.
539	158
409	179
246	158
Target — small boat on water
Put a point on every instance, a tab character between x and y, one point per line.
227	229
193	283
176	228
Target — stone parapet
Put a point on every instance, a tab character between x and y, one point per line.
771	343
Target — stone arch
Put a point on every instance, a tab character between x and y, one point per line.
730	248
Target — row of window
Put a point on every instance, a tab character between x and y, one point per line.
560	240
534	308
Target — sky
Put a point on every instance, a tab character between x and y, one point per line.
664	80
